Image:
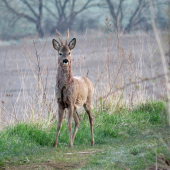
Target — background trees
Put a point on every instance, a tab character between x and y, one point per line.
66	11
130	15
25	17
32	11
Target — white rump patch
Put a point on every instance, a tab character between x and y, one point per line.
78	77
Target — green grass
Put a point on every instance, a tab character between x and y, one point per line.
126	139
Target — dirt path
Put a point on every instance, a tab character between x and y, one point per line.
47	166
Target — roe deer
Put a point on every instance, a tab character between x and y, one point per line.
71	92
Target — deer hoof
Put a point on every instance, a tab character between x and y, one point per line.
70	146
55	145
92	143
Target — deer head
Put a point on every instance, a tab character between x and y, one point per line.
64	51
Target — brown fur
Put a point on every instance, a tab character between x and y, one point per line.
71	92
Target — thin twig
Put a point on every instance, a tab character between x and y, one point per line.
9	113
135	82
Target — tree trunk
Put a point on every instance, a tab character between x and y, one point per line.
128	28
39	29
38	25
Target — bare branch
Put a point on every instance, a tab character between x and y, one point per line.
8	113
58	7
29	6
50	11
36	18
19	14
134	83
67	13
119	10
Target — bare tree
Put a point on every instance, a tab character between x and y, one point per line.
117	14
66	11
7	23
30	10
128	15
137	15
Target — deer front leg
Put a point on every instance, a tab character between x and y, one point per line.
60	120
77	122
70	119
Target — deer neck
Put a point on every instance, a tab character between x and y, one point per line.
64	76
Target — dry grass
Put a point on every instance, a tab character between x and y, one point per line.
125	70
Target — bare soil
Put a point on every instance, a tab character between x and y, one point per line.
48	166
162	164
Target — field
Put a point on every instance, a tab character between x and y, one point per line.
28	70
130	113
124	139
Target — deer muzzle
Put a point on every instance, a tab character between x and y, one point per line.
65	62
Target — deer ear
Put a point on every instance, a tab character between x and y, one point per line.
72	44
56	45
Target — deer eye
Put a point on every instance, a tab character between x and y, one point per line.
60	53
69	53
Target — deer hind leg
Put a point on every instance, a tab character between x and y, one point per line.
77	123
60	120
88	109
70	119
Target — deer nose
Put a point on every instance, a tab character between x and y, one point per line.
65	61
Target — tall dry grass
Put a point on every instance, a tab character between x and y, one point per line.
125	70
